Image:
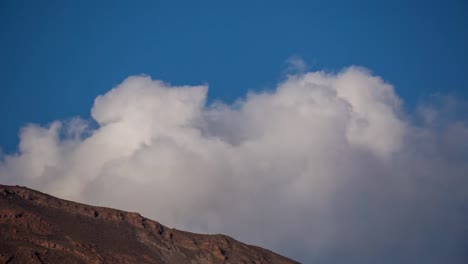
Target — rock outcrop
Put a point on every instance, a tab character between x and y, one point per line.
39	228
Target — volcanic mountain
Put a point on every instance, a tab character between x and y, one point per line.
39	228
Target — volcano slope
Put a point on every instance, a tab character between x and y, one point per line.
39	228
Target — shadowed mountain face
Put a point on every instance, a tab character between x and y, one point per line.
39	228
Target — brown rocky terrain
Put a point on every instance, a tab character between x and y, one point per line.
39	228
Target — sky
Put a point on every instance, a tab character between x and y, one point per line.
323	130
64	53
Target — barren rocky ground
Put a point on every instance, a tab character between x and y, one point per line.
39	228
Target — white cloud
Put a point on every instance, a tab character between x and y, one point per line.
296	64
325	166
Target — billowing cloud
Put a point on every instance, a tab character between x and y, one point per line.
325	168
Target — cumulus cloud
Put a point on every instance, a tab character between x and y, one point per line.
325	168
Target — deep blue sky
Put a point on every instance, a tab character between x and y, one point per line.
57	56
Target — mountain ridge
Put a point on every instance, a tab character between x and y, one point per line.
40	228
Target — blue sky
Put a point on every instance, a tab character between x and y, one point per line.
57	56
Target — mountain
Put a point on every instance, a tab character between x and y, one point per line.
39	228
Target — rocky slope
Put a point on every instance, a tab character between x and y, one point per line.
38	228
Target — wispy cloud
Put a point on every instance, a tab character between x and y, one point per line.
296	64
